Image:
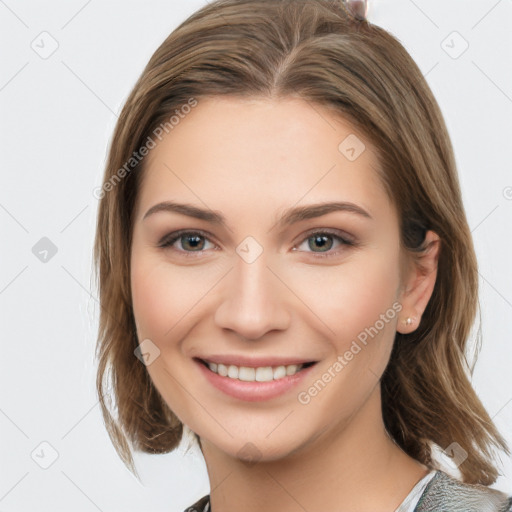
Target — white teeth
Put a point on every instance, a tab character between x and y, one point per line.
233	371
280	372
260	374
291	369
221	370
248	374
264	374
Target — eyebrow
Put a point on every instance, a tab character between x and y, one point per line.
288	217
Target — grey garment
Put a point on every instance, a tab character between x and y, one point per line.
446	494
442	494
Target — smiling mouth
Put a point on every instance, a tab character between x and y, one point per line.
258	374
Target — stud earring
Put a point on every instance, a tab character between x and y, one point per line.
408	321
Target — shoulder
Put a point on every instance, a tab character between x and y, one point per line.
444	492
203	505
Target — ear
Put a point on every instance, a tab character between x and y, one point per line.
418	284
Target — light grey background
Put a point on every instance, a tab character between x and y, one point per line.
57	115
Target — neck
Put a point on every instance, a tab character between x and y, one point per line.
357	467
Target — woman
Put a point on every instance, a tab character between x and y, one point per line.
286	270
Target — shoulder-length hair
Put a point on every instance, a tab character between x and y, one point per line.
318	51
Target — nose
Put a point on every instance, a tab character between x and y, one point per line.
253	300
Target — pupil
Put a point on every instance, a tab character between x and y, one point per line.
321	241
193	241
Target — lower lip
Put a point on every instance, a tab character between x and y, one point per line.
254	391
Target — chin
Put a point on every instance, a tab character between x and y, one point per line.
259	447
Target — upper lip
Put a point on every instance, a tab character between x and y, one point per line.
254	362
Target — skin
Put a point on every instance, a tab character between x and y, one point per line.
250	159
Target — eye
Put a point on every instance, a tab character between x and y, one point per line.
186	241
322	242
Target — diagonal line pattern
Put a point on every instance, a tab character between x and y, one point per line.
316	110
488	215
85	85
424	14
486	14
372	372
74	218
286	491
14	486
77	423
14	76
502	296
213	489
280	423
80	284
13	279
435	65
501	409
76	14
13	13
492	81
14	218
14	423
82	491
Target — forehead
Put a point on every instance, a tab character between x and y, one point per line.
262	153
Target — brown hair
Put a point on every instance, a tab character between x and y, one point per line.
318	51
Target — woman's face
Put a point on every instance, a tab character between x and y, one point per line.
286	251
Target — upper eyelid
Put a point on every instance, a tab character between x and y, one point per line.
337	233
172	238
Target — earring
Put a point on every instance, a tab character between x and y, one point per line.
408	321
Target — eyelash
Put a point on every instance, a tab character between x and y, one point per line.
169	240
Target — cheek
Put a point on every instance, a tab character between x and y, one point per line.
351	297
167	300
163	306
159	297
360	306
151	298
368	319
